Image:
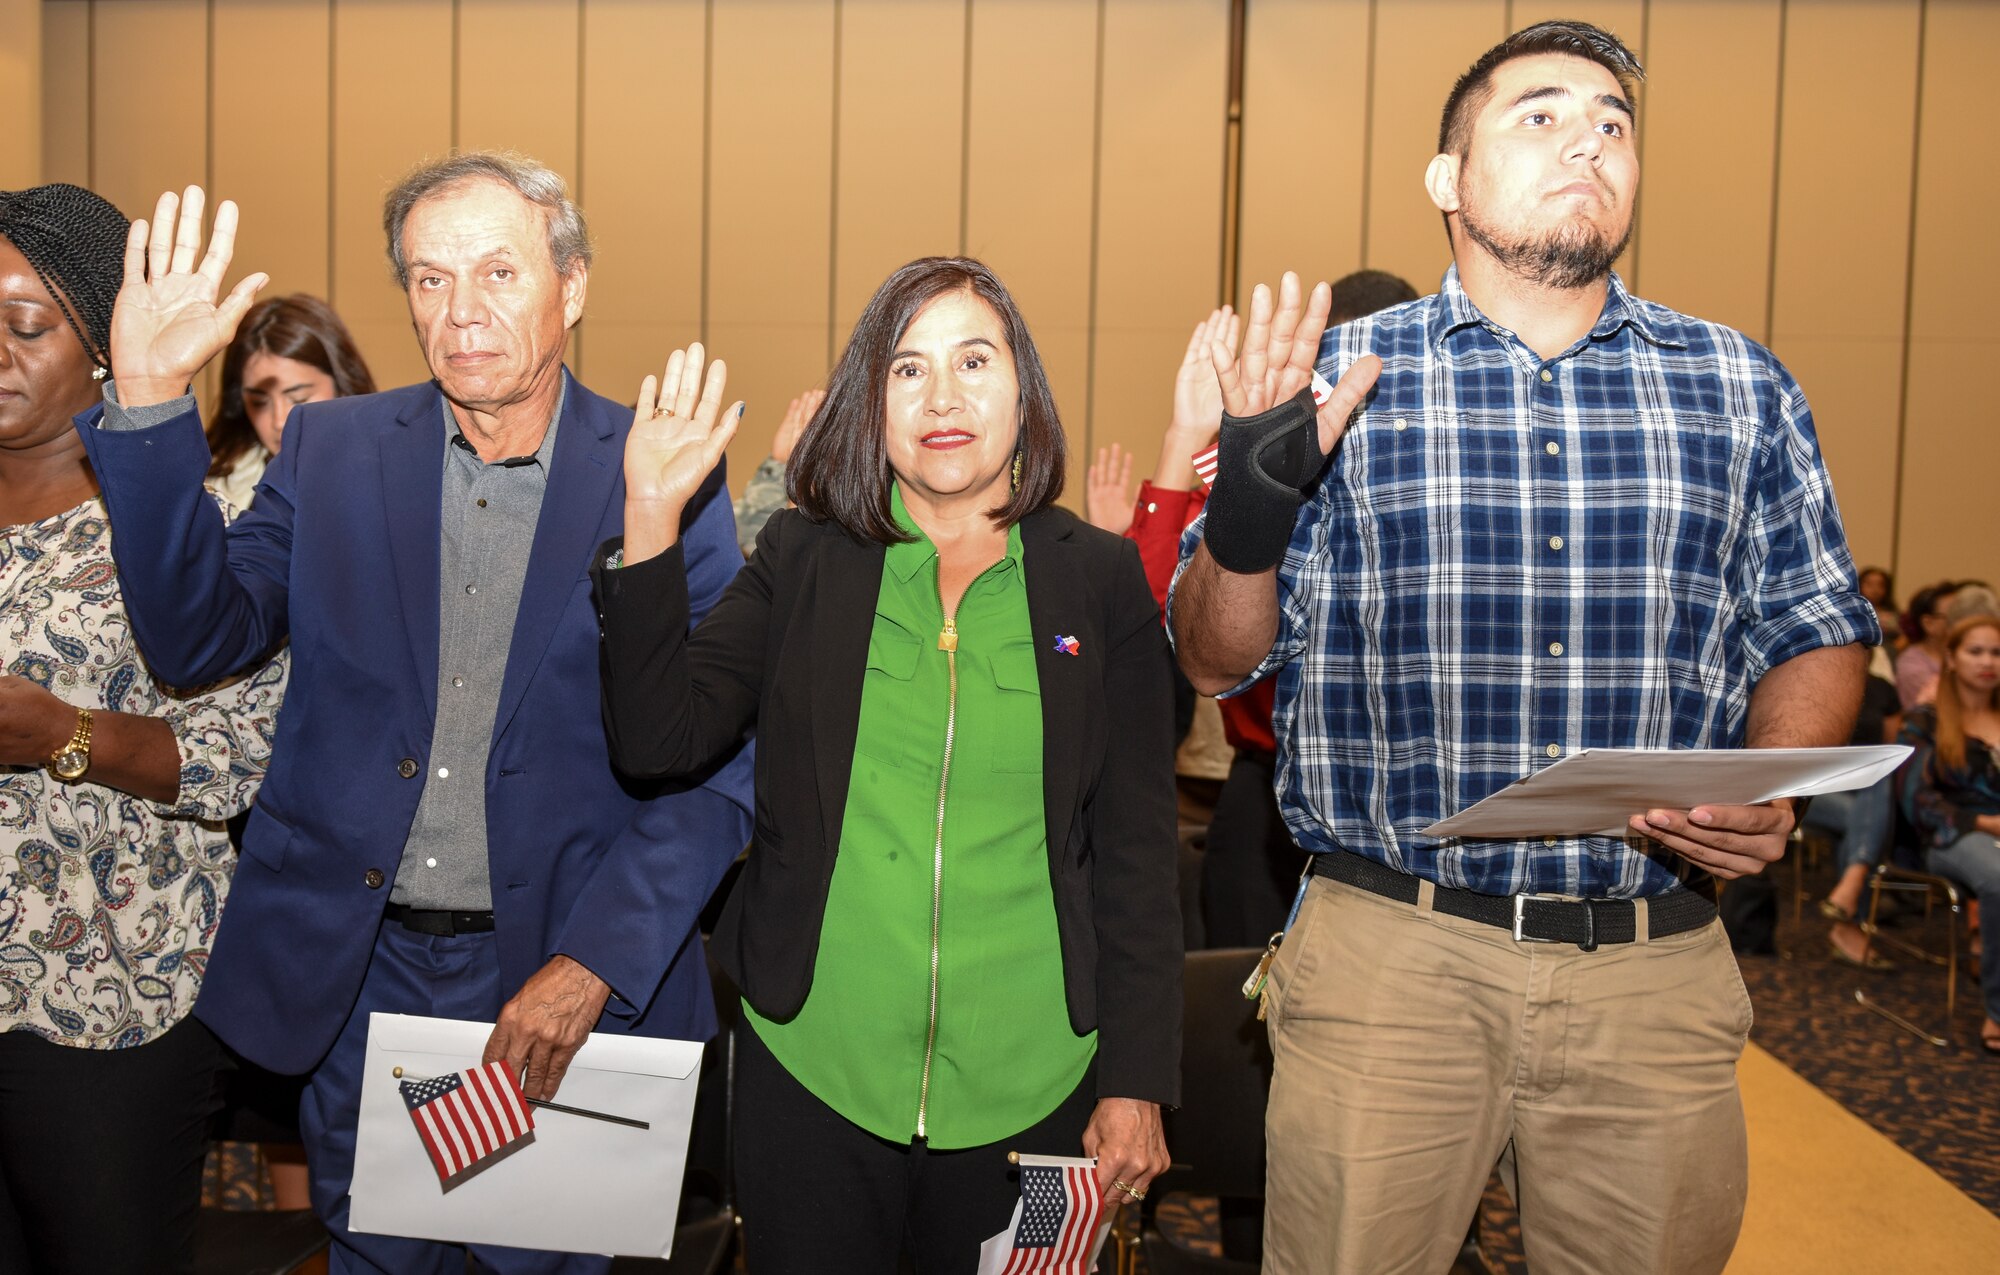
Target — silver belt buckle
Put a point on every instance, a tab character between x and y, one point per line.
1520	914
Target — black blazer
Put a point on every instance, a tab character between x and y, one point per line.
784	652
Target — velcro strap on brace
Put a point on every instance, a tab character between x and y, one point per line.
1266	464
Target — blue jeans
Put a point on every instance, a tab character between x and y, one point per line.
442	977
1974	862
1865	820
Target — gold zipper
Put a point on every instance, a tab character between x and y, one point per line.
948	643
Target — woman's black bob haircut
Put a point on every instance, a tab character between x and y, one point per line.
840	470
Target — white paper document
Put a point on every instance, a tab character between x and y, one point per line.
582	1185
1595	791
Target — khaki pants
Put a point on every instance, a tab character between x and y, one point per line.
1413	1047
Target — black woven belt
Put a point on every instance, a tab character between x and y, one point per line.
1531	918
424	921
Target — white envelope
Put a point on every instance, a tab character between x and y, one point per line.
1594	791
582	1185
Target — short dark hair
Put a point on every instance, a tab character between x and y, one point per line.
299	327
840	470
1578	39
1366	291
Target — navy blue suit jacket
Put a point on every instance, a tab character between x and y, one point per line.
339	554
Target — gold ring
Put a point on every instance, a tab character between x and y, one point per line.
1128	1189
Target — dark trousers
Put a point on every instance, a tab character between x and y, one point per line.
455	976
820	1195
101	1152
1251	871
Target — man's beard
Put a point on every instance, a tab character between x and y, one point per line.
1573	255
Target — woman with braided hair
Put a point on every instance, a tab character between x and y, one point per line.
114	863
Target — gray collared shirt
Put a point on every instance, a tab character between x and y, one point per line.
486	531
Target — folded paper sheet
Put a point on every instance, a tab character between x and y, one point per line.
581	1185
1594	792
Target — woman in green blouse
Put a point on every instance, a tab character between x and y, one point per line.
956	932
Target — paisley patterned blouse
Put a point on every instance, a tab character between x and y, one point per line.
109	902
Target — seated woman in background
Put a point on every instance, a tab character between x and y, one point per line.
1950	787
1865	823
288	351
114	866
956	931
1924	629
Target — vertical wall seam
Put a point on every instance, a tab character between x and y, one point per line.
454	74
707	139
577	337
90	93
208	108
1229	274
833	190
1096	212
332	140
965	142
1368	135
1909	289
1639	208
1777	181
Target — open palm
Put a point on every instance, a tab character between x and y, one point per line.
676	435
172	317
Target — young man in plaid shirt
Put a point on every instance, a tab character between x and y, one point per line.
1558	517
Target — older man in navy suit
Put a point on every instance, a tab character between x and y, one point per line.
441	831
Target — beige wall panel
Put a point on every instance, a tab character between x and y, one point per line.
641	185
1421	48
900	153
150	114
1840	268
1710	148
1625	19
1305	110
270	136
385	120
21	63
65	92
1036	233
770	196
1951	449
1159	229
517	78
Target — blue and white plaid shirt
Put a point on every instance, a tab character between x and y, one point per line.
1512	558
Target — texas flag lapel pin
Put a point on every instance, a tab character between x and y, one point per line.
1068	645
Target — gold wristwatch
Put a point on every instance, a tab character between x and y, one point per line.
73	758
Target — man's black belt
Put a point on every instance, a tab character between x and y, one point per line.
427	921
1531	918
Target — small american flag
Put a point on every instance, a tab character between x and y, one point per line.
468	1117
1205	462
1058	1231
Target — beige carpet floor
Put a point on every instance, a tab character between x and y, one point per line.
1829	1195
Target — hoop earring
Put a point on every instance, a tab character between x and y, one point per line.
1018	457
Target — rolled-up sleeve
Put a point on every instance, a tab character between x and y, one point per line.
1798	584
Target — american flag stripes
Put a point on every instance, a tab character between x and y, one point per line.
1060	1210
1205	462
468	1117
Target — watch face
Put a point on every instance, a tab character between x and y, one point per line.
71	764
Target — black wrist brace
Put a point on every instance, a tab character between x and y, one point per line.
1265	465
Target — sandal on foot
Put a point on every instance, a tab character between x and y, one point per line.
1834	912
1867	961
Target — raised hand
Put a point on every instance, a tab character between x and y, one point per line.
678	433
1279	350
797	416
1107	490
171	317
1197	392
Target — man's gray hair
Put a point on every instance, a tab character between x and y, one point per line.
569	238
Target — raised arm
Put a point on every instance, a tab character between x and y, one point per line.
199	616
1274	442
670	711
